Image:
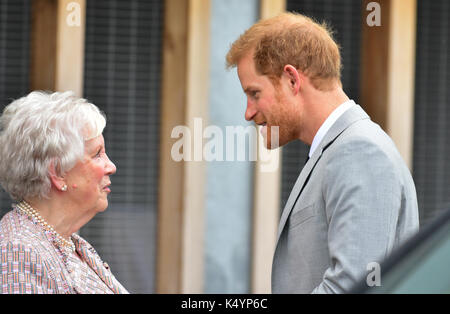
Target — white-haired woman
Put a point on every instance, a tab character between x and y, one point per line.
53	163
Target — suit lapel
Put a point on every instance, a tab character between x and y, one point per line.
297	189
352	115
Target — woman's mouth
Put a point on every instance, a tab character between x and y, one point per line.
107	188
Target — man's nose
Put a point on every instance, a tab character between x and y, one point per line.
250	112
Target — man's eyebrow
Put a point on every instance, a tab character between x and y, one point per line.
250	89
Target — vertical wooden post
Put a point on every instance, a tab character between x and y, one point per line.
388	70
184	97
70	45
43	44
195	171
173	97
57	45
266	197
402	66
270	8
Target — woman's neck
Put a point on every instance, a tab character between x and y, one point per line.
58	214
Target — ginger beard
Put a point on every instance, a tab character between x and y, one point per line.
282	124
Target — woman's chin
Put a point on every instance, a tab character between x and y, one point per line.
103	205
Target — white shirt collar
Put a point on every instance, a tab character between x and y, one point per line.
332	118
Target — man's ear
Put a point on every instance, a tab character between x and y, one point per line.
293	77
56	180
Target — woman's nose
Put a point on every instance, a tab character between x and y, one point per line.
110	166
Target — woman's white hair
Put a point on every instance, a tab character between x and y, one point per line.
39	129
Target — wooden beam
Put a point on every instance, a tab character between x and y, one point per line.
43	44
70	46
181	197
170	209
57	45
270	8
374	65
267	184
195	171
388	71
402	63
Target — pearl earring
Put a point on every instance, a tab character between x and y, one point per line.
64	188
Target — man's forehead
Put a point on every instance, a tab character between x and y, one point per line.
246	70
246	60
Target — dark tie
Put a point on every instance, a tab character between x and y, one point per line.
307	158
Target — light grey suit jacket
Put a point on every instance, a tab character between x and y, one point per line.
353	203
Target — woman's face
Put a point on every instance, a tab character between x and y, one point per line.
88	182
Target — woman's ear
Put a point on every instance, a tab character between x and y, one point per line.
293	77
56	180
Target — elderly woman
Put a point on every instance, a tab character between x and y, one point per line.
54	164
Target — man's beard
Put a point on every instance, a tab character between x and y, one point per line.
280	130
